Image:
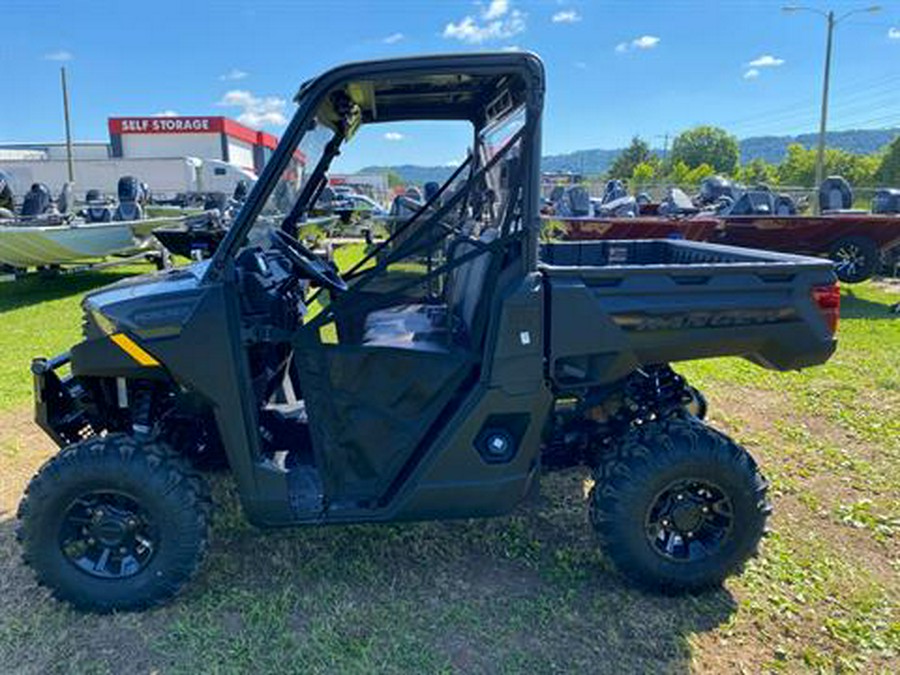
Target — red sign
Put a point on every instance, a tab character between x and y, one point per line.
166	125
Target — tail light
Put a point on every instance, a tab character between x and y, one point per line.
828	300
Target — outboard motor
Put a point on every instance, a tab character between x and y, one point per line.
7	203
713	188
614	190
37	201
835	194
129	208
241	190
576	202
66	199
98	209
431	189
886	200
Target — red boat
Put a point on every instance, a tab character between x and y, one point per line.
854	241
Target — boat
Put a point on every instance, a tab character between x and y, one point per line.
198	236
56	242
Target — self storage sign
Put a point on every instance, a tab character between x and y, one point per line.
165	125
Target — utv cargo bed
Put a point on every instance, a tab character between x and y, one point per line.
617	305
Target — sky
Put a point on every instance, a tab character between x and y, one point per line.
614	68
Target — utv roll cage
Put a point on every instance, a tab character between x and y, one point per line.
451	87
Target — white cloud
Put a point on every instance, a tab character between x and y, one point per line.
496	9
393	136
233	75
581	65
894	33
393	38
496	22
61	55
645	42
642	42
566	16
255	111
166	113
511	48
766	61
751	74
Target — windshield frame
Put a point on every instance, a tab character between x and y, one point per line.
313	92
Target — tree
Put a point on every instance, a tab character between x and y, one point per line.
638	152
888	173
758	172
799	167
643	173
706	145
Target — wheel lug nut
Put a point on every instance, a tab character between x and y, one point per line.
705	509
91	541
123	550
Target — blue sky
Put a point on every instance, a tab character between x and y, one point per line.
615	69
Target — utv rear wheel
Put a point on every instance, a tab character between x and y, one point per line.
113	523
678	506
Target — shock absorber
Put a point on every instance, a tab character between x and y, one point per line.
142	408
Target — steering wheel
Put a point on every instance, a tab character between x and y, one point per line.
308	263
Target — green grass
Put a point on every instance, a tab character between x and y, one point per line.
525	593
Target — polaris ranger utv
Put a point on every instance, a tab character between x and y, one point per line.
437	378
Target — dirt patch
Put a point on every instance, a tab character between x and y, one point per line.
23	448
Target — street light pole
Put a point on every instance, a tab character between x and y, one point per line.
823	118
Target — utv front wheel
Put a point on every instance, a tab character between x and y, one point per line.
678	506
113	523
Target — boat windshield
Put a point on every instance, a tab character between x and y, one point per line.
308	154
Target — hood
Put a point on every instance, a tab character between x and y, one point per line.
150	305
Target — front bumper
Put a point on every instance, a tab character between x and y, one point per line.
59	401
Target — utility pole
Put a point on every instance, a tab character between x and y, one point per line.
823	118
65	93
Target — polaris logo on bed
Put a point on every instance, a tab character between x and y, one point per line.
704	319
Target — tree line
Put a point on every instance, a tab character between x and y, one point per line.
706	150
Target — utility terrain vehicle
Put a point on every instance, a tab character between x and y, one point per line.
434	379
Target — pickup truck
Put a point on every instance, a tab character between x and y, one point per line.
437	377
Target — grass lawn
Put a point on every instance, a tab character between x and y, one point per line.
524	593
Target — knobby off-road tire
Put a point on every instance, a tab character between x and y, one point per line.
678	506
114	523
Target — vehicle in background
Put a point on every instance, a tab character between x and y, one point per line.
179	180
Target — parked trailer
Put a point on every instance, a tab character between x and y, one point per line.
168	178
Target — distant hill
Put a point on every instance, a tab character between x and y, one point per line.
596	161
859	141
410	173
